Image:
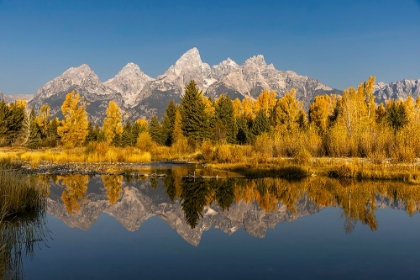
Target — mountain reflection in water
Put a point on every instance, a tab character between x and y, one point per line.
192	206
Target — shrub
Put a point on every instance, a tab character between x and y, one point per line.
144	141
263	146
223	153
207	150
303	156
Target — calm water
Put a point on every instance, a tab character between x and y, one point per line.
110	227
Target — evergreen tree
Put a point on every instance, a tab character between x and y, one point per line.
195	122
52	137
261	124
243	136
396	115
92	134
127	136
4	114
168	123
155	130
14	121
34	133
224	114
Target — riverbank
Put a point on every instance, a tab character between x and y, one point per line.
343	168
80	161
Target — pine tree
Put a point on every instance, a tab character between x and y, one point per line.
15	116
168	123
4	114
243	136
34	138
127	136
396	115
92	134
52	137
224	115
261	124
195	121
155	130
42	120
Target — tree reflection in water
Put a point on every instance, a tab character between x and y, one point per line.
75	192
113	187
358	200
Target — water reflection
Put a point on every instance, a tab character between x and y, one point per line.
192	206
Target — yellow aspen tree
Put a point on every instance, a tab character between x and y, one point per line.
208	106
248	108
113	122
288	113
21	103
143	124
409	106
266	102
237	108
73	128
178	127
320	111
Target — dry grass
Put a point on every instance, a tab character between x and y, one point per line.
93	153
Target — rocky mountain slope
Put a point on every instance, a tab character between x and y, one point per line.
397	90
141	96
84	81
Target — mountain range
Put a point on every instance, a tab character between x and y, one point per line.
140	95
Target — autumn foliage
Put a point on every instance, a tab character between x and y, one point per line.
225	130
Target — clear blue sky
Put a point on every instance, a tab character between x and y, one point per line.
338	42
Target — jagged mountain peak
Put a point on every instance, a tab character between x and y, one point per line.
131	70
190	59
84	68
222	69
229	62
256	60
129	82
397	90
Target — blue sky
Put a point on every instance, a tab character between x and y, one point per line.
338	42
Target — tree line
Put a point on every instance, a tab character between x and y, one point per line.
348	125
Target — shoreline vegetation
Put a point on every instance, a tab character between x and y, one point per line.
348	136
75	161
22	209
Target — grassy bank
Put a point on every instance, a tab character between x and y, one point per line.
346	168
239	159
21	216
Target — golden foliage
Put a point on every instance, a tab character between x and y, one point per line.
75	192
112	122
113	187
73	128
